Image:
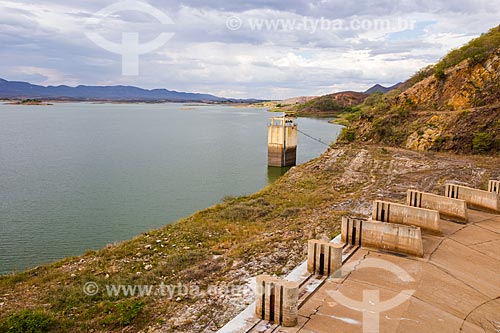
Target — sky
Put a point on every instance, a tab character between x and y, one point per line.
269	49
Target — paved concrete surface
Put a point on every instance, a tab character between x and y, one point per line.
455	287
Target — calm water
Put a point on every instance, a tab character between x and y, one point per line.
75	177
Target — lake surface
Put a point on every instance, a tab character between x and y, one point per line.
77	176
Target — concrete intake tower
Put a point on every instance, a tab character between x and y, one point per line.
282	142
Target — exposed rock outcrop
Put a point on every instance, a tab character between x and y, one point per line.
464	86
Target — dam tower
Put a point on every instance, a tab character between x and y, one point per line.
282	142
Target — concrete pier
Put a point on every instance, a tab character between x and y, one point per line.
282	142
381	235
351	230
277	300
475	198
396	213
323	258
494	186
448	208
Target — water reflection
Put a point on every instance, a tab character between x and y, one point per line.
273	173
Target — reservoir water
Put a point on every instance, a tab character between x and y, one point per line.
77	176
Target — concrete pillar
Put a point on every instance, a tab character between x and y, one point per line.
269	300
259	296
494	186
290	307
277	300
335	258
352	230
381	211
414	198
323	258
451	191
319	266
311	255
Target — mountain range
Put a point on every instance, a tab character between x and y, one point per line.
16	89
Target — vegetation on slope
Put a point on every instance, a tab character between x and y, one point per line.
476	51
456	109
327	105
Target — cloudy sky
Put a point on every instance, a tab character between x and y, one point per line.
241	49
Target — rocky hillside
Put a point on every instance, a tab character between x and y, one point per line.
467	85
453	105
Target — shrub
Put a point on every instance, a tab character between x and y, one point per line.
128	311
348	134
442	139
482	142
374	99
464	114
439	74
476	51
121	314
27	321
380	127
419	76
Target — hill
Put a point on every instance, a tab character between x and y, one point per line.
327	105
297	100
24	90
451	106
286	104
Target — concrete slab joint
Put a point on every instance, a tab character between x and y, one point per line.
401	214
277	300
323	258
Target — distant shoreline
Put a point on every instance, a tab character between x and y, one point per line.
13	101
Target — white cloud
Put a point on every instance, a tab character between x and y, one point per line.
48	76
45	42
